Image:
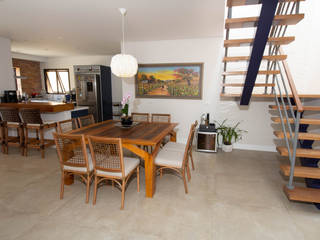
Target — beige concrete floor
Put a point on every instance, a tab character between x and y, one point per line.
234	195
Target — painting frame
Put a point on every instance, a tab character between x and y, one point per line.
199	65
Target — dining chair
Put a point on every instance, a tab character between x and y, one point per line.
67	125
74	159
140	117
109	164
86	120
175	160
2	141
174	146
32	121
11	120
159	117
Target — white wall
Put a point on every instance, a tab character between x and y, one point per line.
6	70
69	62
304	52
256	119
29	57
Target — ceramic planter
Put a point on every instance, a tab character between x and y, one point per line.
227	148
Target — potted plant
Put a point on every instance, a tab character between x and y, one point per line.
125	119
229	135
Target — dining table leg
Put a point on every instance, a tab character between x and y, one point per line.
148	166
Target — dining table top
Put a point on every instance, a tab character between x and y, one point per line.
140	133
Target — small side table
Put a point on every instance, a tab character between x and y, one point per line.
206	141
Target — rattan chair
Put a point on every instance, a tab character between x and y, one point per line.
140	117
176	160
32	121
86	120
159	117
11	120
109	164
174	146
74	159
67	125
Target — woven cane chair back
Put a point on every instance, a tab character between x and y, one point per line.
31	116
71	150
86	120
157	117
188	145
192	136
67	125
107	154
140	117
10	115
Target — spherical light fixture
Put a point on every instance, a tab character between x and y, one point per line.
124	65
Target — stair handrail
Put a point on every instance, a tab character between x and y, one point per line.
293	88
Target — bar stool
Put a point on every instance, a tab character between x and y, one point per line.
11	120
32	120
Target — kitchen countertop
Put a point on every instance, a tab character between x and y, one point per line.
50	107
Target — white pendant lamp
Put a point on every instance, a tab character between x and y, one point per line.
123	65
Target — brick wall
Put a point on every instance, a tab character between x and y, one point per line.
30	70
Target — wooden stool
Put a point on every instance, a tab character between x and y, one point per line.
32	120
11	120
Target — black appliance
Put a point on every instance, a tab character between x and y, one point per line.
10	96
93	89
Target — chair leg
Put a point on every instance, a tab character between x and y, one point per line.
161	173
88	189
62	185
138	179
95	190
42	146
188	172
5	142
191	157
185	182
26	138
123	188
21	140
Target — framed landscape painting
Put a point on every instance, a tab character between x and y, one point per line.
178	80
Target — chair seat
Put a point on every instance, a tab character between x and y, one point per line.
174	146
129	165
81	169
169	158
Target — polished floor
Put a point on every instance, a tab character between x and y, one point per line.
231	196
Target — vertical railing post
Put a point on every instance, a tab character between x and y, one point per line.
294	150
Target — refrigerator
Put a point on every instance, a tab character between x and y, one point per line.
93	89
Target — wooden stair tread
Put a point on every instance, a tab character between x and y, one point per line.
302	194
249	41
247	58
253	21
299	171
234	3
312	121
301	135
258	95
301	152
241	85
305	108
233	73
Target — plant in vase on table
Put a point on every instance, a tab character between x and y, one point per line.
125	119
229	135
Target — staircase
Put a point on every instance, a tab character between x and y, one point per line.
267	75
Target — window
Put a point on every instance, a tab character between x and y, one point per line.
57	80
17	75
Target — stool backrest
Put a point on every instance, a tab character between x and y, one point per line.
31	116
9	114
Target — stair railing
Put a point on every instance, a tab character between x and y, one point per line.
290	128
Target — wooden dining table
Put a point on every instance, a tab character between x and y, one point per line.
140	134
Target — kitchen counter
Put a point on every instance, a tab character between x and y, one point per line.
45	107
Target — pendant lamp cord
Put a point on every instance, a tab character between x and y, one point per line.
123	50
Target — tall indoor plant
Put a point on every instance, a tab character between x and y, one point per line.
229	135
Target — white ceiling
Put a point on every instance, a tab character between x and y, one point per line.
73	27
